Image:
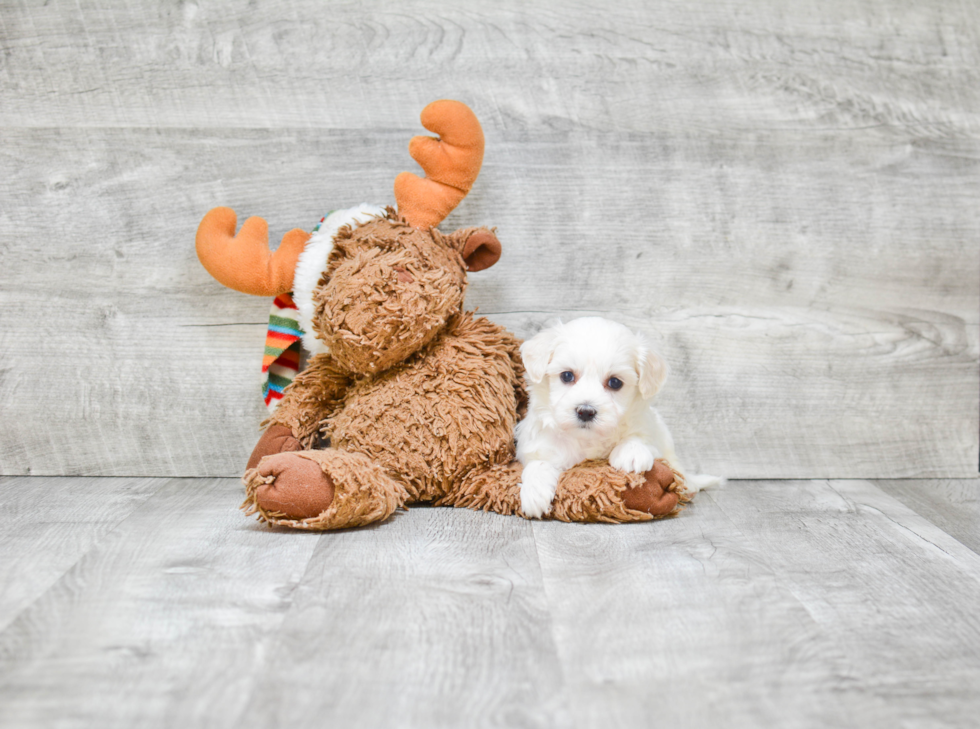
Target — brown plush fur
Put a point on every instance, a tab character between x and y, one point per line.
417	399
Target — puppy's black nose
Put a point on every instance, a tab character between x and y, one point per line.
586	413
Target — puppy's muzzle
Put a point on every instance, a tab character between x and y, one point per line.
586	413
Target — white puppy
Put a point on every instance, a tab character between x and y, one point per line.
590	386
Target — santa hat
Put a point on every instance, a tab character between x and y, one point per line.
291	318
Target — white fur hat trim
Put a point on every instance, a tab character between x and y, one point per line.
313	262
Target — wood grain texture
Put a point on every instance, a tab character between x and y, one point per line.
683	621
435	618
51	523
892	593
768	604
952	505
764	604
706	66
783	196
163	623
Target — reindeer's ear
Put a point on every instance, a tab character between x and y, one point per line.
478	246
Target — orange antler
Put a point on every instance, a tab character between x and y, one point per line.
451	164
243	262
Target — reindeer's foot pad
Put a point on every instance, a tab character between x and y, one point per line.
289	485
321	490
660	494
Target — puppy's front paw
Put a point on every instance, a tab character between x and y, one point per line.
538	483
632	456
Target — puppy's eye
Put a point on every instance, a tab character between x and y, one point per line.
567	377
614	383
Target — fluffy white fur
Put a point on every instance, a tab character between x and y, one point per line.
313	262
599	408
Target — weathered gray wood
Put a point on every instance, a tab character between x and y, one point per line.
784	196
50	523
952	505
892	593
749	66
764	604
163	623
684	621
768	604
435	619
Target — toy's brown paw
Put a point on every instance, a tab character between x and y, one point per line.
654	496
300	490
276	439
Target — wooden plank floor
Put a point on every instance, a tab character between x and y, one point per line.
153	602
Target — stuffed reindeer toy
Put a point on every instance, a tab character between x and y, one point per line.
407	398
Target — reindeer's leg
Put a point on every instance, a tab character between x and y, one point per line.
319	490
592	491
490	488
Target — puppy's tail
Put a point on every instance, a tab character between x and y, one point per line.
695	482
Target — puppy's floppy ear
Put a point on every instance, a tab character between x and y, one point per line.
651	370
536	353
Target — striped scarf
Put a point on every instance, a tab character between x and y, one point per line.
280	364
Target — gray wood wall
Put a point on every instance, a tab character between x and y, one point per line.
783	194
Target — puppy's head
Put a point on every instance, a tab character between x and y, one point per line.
590	373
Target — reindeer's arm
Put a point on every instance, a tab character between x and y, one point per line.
313	396
513	346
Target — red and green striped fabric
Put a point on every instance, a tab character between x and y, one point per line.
282	349
283	344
